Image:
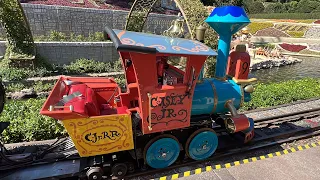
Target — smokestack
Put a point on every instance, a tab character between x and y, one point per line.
226	21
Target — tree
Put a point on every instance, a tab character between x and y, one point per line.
255	7
307	6
18	33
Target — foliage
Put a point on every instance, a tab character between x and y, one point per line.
26	122
91	66
307	6
17	29
37	86
300	6
121	81
62	37
266	95
296	34
15	74
255	7
43	69
223	2
286	16
275	8
135	23
256	26
40	86
12	87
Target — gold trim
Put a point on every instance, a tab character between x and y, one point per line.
221	79
242	96
150	124
215	97
244	81
200	81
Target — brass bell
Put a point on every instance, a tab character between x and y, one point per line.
176	29
200	31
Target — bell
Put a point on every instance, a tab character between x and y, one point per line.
176	29
200	32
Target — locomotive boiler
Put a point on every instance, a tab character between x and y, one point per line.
166	112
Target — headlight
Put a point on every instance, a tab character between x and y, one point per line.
248	89
237	123
230	126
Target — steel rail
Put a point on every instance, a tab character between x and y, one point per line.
219	155
286	115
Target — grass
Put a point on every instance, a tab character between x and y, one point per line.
256	26
296	34
267	95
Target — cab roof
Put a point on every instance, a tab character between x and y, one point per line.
150	43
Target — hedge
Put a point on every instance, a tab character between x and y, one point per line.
286	16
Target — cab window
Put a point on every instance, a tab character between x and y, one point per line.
171	70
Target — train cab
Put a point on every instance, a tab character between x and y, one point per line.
157	88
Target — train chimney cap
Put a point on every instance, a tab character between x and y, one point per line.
227	20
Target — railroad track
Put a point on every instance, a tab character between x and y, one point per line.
269	131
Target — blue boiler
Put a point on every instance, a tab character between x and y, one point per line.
210	96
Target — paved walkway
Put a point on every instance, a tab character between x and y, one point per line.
294	166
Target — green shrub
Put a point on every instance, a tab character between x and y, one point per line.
275	8
42	68
255	7
57	36
307	6
13	87
266	95
60	36
296	34
256	26
26	123
286	16
87	66
40	86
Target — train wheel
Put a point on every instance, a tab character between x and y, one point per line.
94	173
162	151
201	144
119	170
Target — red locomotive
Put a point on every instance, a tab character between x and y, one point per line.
165	112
